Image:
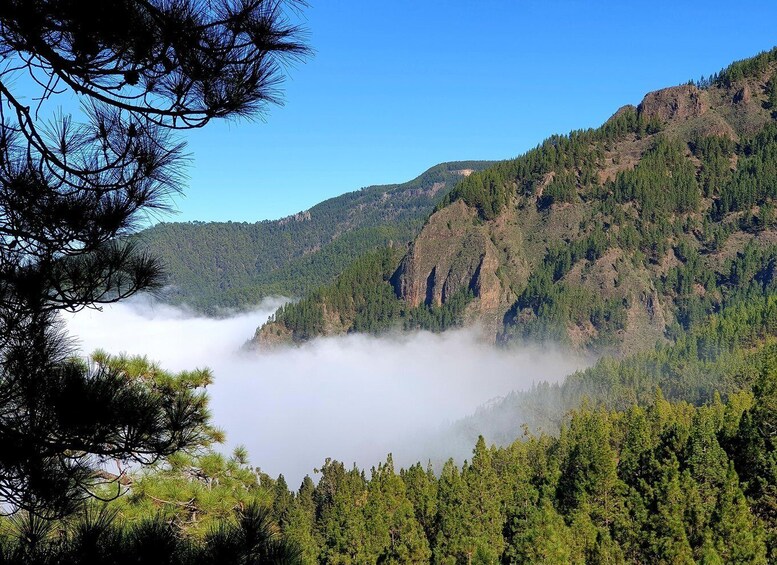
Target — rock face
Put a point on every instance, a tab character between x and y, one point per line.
676	103
743	95
453	253
610	298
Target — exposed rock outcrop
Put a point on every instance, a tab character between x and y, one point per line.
675	103
743	95
598	285
452	253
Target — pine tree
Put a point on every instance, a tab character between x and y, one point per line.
421	487
71	192
395	536
544	539
448	544
708	465
771	93
739	538
669	543
755	450
300	528
483	504
589	468
282	501
340	498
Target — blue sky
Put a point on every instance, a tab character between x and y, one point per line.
396	87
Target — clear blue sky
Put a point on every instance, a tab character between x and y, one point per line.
396	87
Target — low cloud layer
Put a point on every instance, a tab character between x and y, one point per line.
352	398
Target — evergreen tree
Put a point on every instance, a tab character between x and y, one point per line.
482	505
300	527
589	470
739	538
545	539
70	192
771	93
421	488
449	543
707	463
669	543
282	502
755	456
395	536
340	498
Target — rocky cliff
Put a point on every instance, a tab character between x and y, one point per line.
612	238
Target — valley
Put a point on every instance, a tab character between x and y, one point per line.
564	356
646	246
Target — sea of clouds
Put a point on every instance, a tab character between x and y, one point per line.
353	398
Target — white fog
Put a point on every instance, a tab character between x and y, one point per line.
352	398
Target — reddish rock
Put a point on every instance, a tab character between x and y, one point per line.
676	103
743	95
450	254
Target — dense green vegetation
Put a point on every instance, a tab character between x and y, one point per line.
359	298
668	455
216	265
771	91
553	303
630	477
750	67
97	537
666	190
722	355
684	473
438	318
663	183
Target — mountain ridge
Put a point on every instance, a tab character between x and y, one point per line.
608	239
217	265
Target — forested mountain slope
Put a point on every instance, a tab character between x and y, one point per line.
684	473
658	227
608	239
214	265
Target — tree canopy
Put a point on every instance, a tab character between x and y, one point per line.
70	189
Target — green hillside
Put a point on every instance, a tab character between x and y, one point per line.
215	265
671	459
609	239
653	236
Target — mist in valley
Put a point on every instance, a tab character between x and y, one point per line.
353	398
